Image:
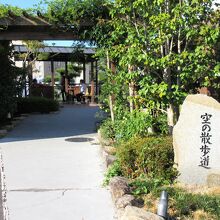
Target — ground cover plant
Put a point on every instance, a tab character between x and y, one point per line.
148	163
182	204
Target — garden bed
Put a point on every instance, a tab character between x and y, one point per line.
148	165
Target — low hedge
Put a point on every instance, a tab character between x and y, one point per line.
151	156
36	104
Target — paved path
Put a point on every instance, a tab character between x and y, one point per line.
48	178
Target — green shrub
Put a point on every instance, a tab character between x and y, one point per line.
133	124
113	170
8	81
149	156
36	104
160	124
107	129
144	185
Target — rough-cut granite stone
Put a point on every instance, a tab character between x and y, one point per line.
197	141
110	159
124	201
134	213
110	150
118	187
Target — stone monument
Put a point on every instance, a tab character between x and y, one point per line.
196	139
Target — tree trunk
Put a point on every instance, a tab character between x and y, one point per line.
132	95
111	107
171	109
171	118
131	90
111	65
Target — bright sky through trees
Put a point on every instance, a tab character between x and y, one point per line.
21	4
30	4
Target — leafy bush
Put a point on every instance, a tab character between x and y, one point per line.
8	84
36	104
113	170
133	124
160	124
107	129
144	185
151	156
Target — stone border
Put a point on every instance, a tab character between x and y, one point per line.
106	151
127	206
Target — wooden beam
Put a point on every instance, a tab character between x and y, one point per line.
31	35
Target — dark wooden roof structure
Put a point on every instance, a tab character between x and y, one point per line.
58	53
29	27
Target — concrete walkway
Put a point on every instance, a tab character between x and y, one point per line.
49	178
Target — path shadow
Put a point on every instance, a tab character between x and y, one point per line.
72	120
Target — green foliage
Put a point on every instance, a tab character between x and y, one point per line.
151	156
116	86
172	46
47	79
133	124
182	204
107	129
5	8
186	203
159	124
36	104
143	185
74	70
8	85
113	170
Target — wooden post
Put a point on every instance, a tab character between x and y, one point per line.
52	73
30	78
84	71
25	79
92	83
66	77
96	77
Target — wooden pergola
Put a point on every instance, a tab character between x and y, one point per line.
29	27
65	54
